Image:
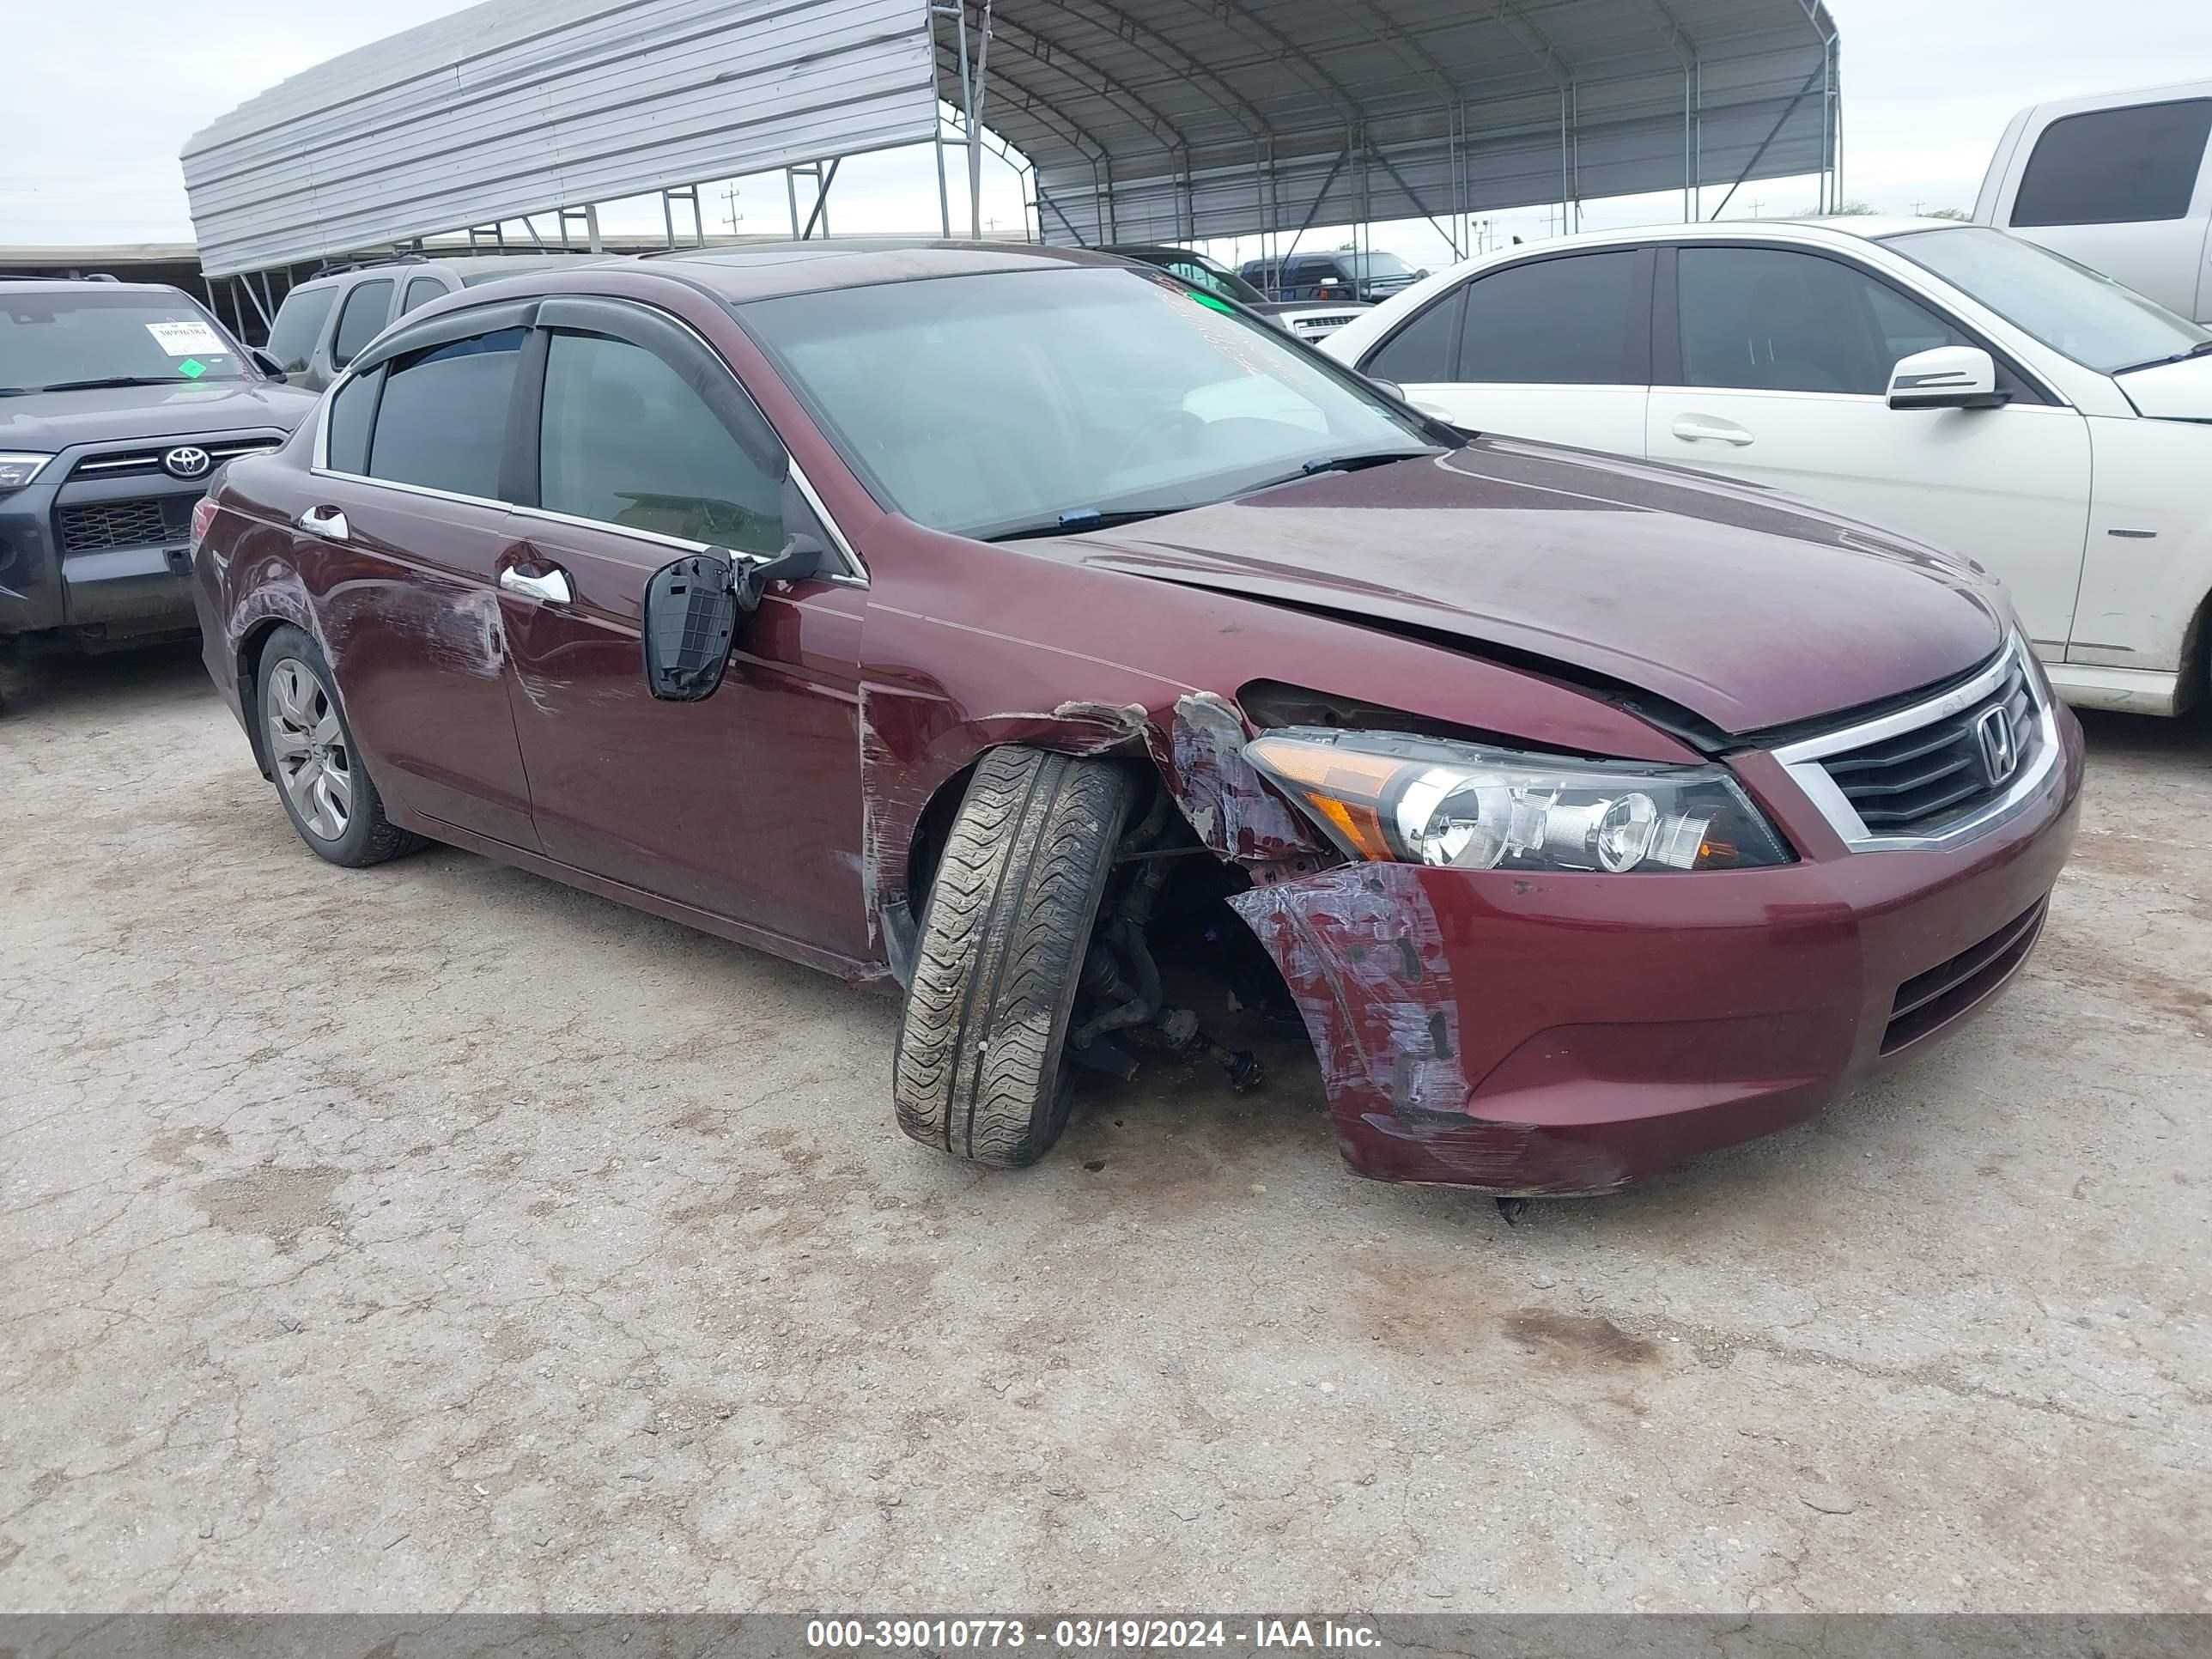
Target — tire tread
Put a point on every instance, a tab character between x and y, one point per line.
1011	903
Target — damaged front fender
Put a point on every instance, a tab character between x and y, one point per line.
1368	962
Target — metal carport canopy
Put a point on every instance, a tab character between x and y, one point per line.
1177	119
1143	119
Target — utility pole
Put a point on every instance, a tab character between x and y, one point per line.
730	195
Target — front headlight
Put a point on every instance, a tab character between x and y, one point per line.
1425	800
18	468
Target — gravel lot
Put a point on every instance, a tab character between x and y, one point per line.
436	1237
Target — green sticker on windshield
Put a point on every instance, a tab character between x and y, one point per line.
191	368
1213	304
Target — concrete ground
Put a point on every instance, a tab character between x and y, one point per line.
436	1237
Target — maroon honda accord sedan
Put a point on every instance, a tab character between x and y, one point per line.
999	621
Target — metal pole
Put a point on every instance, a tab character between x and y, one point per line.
592	230
823	181
791	195
1686	214
944	200
1759	154
1566	189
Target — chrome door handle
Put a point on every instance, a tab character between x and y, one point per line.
1706	428
552	588
324	521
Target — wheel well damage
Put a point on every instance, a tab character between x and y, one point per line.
918	752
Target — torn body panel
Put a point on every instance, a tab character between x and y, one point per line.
1568	1032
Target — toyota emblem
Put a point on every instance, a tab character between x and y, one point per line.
189	461
1993	737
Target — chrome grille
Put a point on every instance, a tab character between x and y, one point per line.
145	521
1920	782
137	463
1945	768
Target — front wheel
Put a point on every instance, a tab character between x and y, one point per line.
318	769
979	1069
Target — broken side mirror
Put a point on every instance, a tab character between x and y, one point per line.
690	617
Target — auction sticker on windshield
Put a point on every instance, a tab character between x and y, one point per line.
184	339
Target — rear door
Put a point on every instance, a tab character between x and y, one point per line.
1772	365
402	544
746	805
1556	348
2127	192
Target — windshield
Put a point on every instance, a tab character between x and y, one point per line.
1369	266
983	404
62	338
2070	308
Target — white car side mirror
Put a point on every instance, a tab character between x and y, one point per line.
1949	377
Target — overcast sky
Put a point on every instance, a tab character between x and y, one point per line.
102	94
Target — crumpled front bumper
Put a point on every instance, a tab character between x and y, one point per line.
1530	1033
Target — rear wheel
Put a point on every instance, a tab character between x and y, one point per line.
318	771
979	1070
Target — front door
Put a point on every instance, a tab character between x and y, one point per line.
401	542
1779	372
746	805
1554	349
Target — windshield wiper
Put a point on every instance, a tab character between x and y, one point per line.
1364	459
1076	520
110	380
2201	348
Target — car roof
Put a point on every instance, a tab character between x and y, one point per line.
463	265
1866	227
84	284
774	270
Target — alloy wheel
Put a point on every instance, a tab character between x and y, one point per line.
308	747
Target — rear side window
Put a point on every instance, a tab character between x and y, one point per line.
1426	350
442	421
363	318
421	290
298	325
626	441
2112	166
1553	322
346	427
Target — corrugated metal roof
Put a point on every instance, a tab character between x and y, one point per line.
516	107
1167	105
1168	120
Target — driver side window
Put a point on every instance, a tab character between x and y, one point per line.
624	440
1772	320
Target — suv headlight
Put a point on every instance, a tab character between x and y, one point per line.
1426	800
18	468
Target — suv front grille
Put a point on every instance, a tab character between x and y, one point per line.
147	522
1916	783
137	463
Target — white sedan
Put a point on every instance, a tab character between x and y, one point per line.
1961	385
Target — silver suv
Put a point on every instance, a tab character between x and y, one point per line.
322	323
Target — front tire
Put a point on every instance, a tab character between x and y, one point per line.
318	769
979	1068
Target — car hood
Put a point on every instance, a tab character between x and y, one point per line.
50	422
2171	392
1746	608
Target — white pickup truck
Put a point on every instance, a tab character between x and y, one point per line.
2121	182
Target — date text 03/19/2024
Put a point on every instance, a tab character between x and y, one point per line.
1091	1635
